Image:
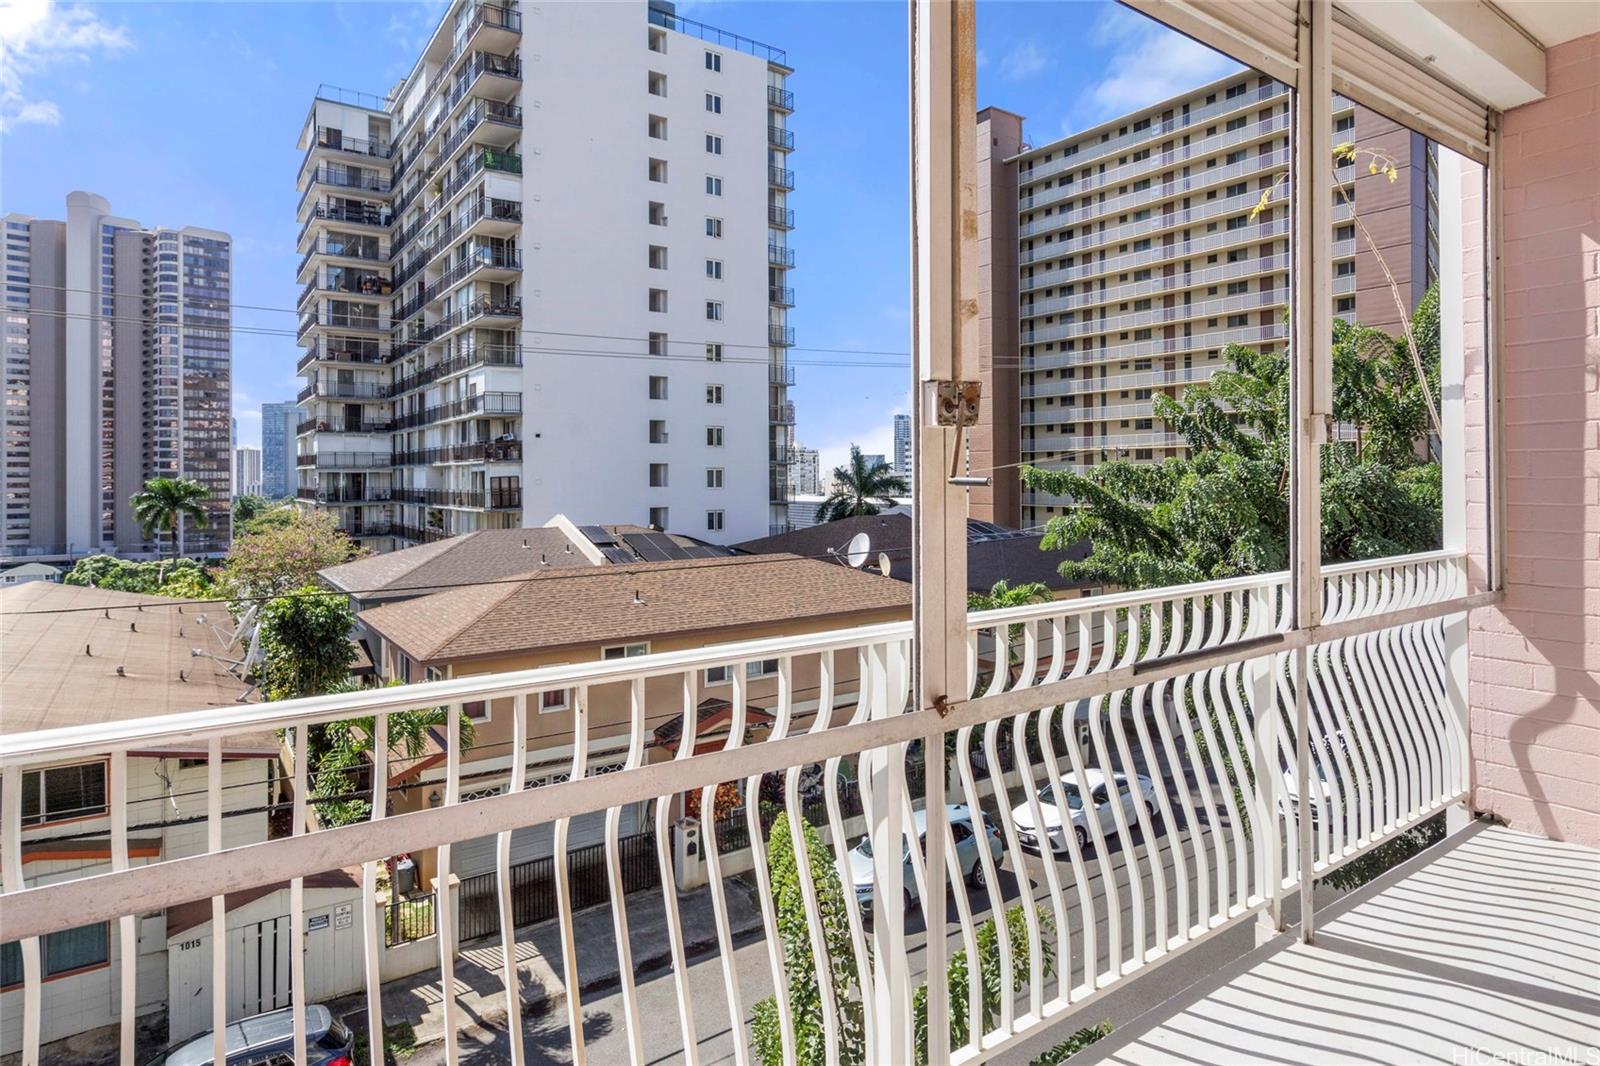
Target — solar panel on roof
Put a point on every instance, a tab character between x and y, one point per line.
646	547
617	555
598	534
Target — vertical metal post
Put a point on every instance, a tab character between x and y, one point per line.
372	932
944	271
127	929
301	740
1310	366
219	907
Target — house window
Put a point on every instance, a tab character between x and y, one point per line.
63	792
476	710
553	700
714	228
714	521
713	185
432	673
721	675
713	477
713	144
713	436
713	353
714	103
625	651
65	952
658	517
714	62
713	394
713	310
714	269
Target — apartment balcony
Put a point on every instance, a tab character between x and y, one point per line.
780	414
462	499
780	178
1212	242
1156	223
780	217
335	146
498	451
478	356
348	494
334	179
1037	387
780	138
483	403
342	351
1260	300
493	76
781	99
780	296
1167	190
330	460
332	250
371	218
779	255
1207	276
780	336
340	424
345	390
322	318
780	375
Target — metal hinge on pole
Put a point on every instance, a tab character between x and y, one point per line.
956	405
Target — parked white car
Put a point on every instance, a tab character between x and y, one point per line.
968	839
1087	798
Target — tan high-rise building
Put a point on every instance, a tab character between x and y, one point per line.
118	368
1120	262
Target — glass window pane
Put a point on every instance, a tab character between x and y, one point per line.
75	948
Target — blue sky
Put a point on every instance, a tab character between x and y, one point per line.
188	113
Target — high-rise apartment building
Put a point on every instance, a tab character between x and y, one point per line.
247	471
118	368
278	422
1120	262
551	279
805	473
902	445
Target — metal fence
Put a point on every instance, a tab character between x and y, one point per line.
410	919
533	885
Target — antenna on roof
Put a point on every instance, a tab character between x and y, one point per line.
108	614
121	672
638	600
884	566
853	554
568	548
542	560
525	542
133	627
88	649
183	677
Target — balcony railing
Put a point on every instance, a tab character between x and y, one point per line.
499	451
713	35
343	460
1255	756
488	403
779	137
782	99
781	336
780	177
468	499
779	255
781	217
780	295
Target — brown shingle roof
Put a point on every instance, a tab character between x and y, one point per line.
59	656
597	606
487	555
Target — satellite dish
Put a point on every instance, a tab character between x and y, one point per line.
855	553
884	565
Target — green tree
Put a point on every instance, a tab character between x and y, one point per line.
1001	594
859	489
805	992
989	977
285	549
182	578
166	503
305	643
248	508
1224	510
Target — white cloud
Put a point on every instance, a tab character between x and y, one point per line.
1148	63
36	35
878	439
1023	61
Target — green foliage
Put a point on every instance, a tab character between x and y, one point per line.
399	1042
251	510
859	489
1357	872
1224	511
305	644
284	549
340	751
184	578
989	978
805	991
1001	594
166	503
1074	1044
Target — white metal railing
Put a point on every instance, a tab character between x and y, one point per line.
1192	689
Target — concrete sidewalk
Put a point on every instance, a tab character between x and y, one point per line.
480	992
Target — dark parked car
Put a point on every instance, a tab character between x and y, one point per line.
268	1040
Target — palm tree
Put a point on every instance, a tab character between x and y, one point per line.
858	489
1001	594
165	503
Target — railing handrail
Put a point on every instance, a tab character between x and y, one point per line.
43	745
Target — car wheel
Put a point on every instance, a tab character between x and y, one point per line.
975	875
1150	807
1083	836
910	902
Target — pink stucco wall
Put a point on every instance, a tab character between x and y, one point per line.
1535	661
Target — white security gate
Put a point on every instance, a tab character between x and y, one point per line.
258	967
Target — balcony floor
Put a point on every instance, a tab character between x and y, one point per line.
1488	953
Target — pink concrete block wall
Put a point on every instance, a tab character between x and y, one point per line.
1535	661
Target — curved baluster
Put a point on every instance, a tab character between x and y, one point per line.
758	852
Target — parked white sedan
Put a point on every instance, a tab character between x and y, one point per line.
1089	797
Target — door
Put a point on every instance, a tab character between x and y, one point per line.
258	964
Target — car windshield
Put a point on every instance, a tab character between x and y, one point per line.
1047	794
865	847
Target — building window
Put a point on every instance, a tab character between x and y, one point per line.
656	83
713	353
476	710
658	213
658	431
713	477
658	344
721	675
65	952
658	170
658	475
713	394
63	792
713	185
714	521
713	144
1344	304
714	103
658	257
658	127
553	700
658	387
658	300
713	62
625	651
658	517
713	310
713	436
714	269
